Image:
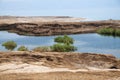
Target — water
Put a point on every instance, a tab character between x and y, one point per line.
93	43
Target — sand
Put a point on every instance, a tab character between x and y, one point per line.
30	68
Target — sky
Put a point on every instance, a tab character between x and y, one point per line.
90	9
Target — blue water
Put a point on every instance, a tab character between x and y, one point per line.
93	43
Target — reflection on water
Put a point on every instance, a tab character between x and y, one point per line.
84	42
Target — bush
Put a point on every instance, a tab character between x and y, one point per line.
64	44
117	32
42	49
63	48
58	48
22	48
65	40
10	45
109	31
106	31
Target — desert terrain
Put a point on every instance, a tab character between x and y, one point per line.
58	66
30	65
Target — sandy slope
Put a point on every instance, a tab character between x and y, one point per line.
29	68
38	62
13	71
58	66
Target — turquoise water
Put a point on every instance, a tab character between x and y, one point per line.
93	43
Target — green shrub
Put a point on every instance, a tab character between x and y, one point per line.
109	31
10	45
62	48
58	48
117	32
65	40
22	48
64	44
105	31
42	49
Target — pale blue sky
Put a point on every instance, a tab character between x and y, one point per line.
91	9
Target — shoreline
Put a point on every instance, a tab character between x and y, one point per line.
38	26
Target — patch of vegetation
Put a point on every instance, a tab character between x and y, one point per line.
109	31
65	40
10	45
22	48
117	32
64	44
42	49
63	48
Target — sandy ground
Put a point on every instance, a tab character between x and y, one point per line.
57	66
24	71
29	68
107	75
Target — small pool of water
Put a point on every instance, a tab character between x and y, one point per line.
92	42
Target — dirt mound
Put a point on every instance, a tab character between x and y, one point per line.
67	60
